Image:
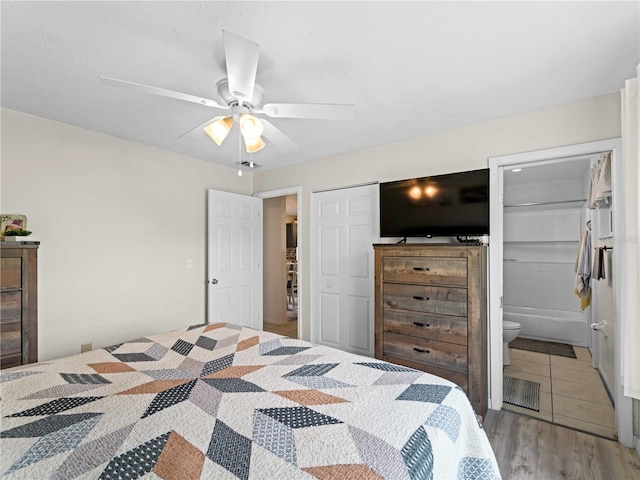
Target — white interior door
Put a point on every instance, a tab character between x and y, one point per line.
345	226
234	269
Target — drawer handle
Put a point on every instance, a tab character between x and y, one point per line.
421	350
392	303
419	324
421	269
421	298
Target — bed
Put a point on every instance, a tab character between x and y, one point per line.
222	401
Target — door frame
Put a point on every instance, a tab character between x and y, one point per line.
623	404
281	192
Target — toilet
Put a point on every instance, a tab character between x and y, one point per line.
510	330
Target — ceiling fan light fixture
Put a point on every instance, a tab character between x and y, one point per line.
251	127
254	144
218	130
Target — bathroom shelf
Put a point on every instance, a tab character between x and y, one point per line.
539	204
541	241
509	260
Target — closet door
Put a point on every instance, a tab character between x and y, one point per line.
344	228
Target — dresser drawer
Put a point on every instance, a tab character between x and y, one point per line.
423	298
11	339
425	270
10	272
450	356
445	328
10	307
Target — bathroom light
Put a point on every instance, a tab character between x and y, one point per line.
516	170
218	130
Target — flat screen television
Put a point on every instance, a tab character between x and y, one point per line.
455	204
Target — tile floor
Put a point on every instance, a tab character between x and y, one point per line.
571	391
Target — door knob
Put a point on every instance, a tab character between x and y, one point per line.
214	281
329	284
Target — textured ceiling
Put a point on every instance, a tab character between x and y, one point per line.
411	68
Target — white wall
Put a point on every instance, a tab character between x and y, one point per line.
461	149
117	221
110	267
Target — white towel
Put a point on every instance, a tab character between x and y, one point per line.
600	182
583	269
603	187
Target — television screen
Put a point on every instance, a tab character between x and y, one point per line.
455	204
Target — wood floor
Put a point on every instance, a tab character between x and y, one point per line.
288	329
527	448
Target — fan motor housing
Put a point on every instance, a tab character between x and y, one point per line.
231	100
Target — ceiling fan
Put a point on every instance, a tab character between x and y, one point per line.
240	97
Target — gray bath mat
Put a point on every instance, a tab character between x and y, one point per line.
552	348
521	393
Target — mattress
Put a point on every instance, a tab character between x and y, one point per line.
221	401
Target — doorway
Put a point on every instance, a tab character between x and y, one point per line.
504	257
281	273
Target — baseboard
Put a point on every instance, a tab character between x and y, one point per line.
607	385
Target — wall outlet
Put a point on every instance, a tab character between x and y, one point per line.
86	347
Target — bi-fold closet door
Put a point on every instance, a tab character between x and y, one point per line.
343	231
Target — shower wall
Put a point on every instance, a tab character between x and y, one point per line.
540	249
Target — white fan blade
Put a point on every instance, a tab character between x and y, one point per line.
320	111
114	82
198	129
242	64
279	139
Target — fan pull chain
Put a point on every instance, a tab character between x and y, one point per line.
239	154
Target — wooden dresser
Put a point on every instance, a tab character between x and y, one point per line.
18	304
431	312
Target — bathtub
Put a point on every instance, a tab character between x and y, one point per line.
550	325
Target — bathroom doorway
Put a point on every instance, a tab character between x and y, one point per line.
535	236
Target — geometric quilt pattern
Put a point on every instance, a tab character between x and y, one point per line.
228	402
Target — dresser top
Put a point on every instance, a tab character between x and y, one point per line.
21	244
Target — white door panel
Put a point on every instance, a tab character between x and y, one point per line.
234	259
359	206
358	260
357	310
329	251
330	319
329	209
345	226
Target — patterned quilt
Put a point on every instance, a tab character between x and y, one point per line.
221	401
